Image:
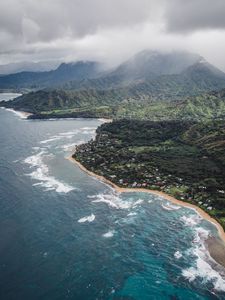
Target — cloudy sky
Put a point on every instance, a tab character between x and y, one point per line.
109	30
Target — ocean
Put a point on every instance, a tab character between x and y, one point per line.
65	235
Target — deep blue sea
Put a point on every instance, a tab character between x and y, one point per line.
65	235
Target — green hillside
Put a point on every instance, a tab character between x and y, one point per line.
92	103
146	80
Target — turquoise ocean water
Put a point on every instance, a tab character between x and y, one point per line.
65	235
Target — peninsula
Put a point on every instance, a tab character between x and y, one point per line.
179	161
182	159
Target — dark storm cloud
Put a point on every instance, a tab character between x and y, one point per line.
46	20
50	19
191	15
108	30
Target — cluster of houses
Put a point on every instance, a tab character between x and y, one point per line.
99	156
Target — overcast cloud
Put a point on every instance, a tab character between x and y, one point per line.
109	30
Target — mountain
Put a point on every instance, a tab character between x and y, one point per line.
36	80
25	66
141	82
145	70
196	79
151	64
148	67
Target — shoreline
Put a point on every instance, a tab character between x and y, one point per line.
21	114
63	117
104	120
26	115
216	249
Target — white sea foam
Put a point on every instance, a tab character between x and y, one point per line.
36	184
70	133
138	202
52	139
41	173
166	207
91	196
109	234
35	160
113	200
71	146
203	269
103	120
191	220
88	132
67	147
131	214
88	128
169	206
201	235
90	218
84	130
20	114
65	135
177	255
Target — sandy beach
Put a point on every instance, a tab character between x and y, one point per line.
105	120
21	114
216	250
215	246
25	114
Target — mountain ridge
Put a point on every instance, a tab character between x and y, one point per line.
65	72
144	66
125	86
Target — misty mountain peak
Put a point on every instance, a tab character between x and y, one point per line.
148	64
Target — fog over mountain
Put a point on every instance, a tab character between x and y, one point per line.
109	31
141	69
13	68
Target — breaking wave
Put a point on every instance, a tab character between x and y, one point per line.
20	114
202	269
70	134
109	234
169	206
70	147
41	173
89	219
54	138
115	201
191	220
177	255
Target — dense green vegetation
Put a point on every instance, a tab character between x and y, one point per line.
141	88
169	134
43	101
203	107
86	112
59	103
183	159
